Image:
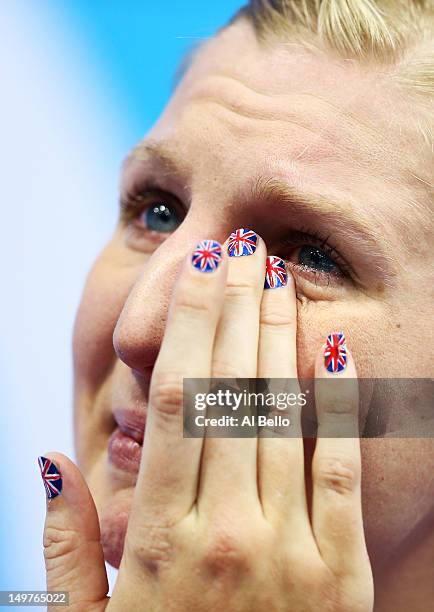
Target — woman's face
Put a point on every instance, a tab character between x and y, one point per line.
323	159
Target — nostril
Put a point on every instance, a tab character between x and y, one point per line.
117	344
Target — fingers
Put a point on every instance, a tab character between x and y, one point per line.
168	476
277	356
73	554
280	452
336	466
231	462
236	347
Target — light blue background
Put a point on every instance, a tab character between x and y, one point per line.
81	82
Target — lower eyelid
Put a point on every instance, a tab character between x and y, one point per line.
306	239
321	279
142	238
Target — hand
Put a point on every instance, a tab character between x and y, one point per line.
223	523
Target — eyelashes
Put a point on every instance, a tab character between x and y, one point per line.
297	239
298	248
134	203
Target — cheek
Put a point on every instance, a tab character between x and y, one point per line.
398	493
398	474
363	324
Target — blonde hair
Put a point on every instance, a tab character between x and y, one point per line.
398	32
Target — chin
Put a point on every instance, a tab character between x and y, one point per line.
113	524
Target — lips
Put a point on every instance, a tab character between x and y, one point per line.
125	443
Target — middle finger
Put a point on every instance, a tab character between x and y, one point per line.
231	462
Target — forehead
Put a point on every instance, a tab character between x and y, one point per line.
298	113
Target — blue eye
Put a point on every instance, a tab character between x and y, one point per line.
161	217
317	259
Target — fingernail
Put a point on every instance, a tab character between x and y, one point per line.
242	242
275	273
335	354
207	255
51	477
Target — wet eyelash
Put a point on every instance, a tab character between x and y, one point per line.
304	237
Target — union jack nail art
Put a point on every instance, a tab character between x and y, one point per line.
207	255
242	242
335	354
51	477
275	273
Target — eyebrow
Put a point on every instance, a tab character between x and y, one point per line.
350	224
154	151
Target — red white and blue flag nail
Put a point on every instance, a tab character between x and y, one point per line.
275	273
335	354
242	242
207	255
51	477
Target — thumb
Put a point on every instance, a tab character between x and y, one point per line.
73	553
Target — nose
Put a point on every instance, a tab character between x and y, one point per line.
140	327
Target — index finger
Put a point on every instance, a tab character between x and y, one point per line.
168	475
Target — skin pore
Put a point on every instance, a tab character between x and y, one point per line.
305	149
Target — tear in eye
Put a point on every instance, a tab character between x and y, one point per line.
161	217
317	259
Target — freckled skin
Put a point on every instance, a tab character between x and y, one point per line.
322	124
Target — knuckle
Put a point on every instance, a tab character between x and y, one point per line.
241	290
336	405
63	549
226	553
191	305
60	542
278	320
339	474
337	397
166	394
153	548
223	368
